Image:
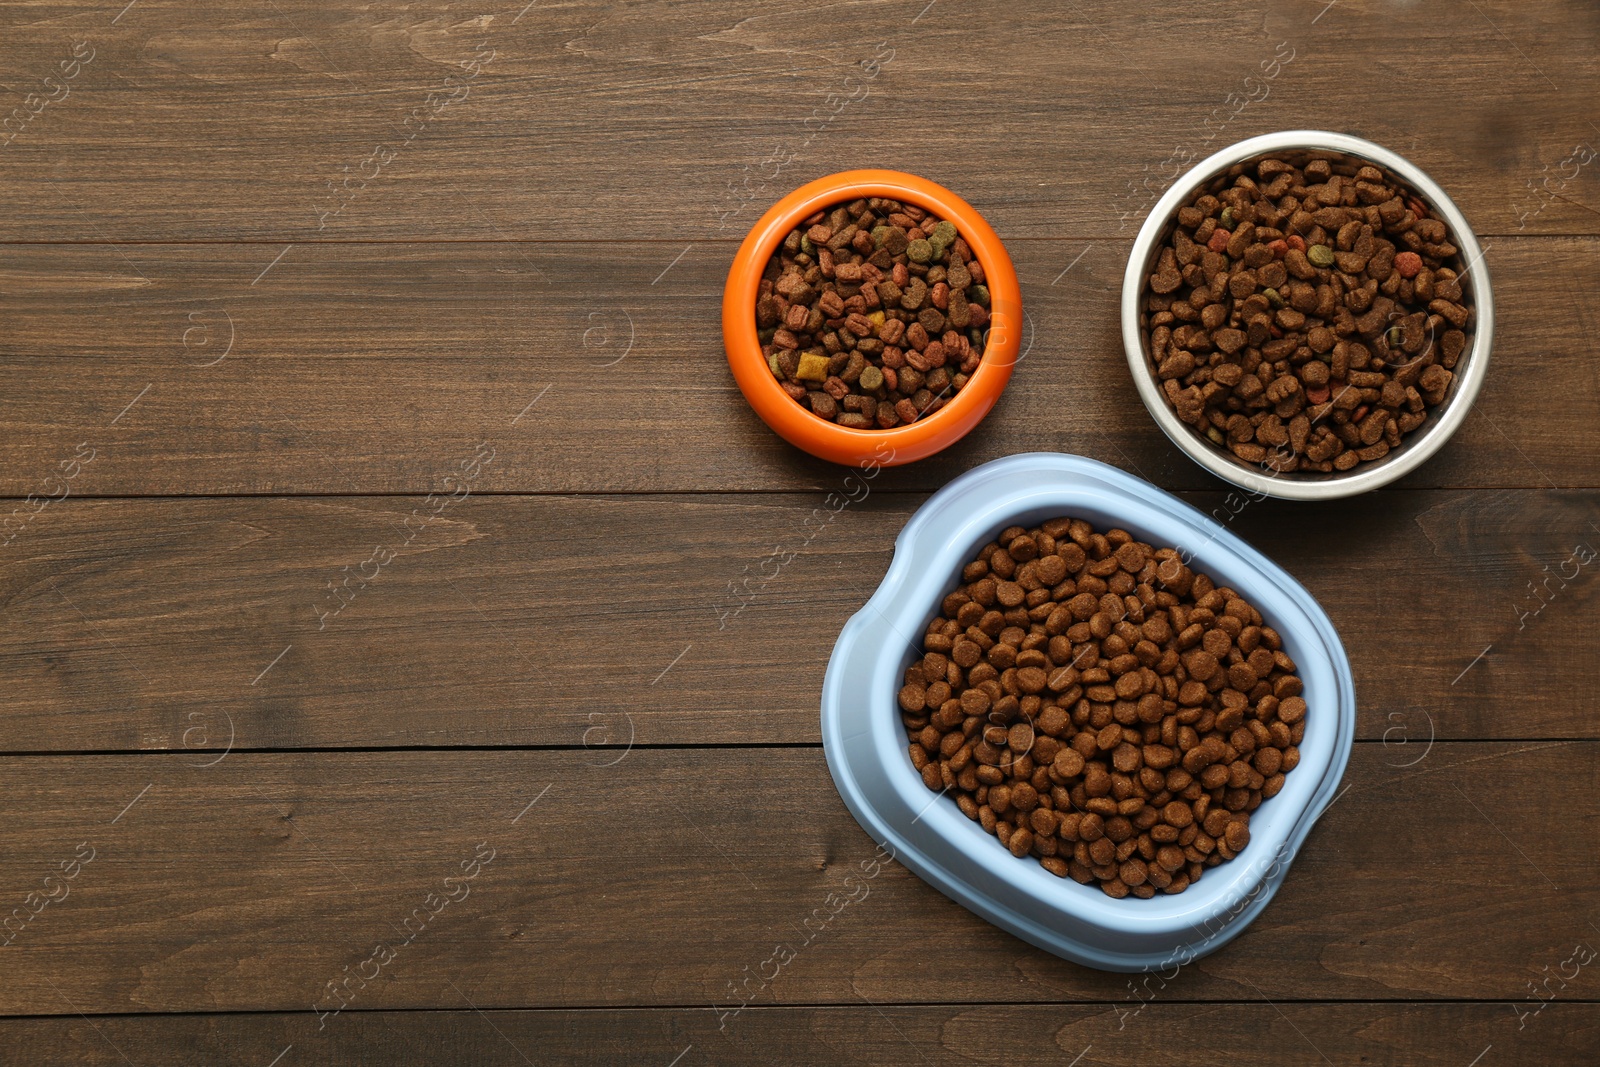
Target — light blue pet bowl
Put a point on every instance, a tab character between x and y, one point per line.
866	744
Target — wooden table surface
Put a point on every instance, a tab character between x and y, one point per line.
272	274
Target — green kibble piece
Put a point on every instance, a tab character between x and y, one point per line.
871	378
1215	434
1320	255
1226	219
920	250
777	371
1274	298
806	246
879	235
944	233
1394	336
978	294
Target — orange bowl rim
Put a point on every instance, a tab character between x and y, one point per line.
842	444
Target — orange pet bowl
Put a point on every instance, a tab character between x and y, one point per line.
842	444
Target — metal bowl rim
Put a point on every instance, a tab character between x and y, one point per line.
1444	419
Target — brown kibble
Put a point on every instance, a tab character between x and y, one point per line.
1097	706
1268	760
1133	872
1068	764
1126	758
1178	814
1200	664
1263	356
1053	720
1051	570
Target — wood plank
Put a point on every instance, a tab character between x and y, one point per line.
1302	1035
663	117
184	624
283	270
376	368
658	881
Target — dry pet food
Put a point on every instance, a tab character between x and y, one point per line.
1306	314
1094	703
872	314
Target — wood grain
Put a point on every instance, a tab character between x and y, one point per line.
275	278
376	368
1161	1035
551	621
1054	120
657	881
590	621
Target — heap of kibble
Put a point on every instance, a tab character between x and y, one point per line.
1095	703
873	314
1304	315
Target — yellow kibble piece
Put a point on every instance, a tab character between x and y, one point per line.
876	318
813	367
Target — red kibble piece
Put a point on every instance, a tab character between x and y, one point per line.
1408	264
1278	248
1359	413
1219	240
1317	394
1296	242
